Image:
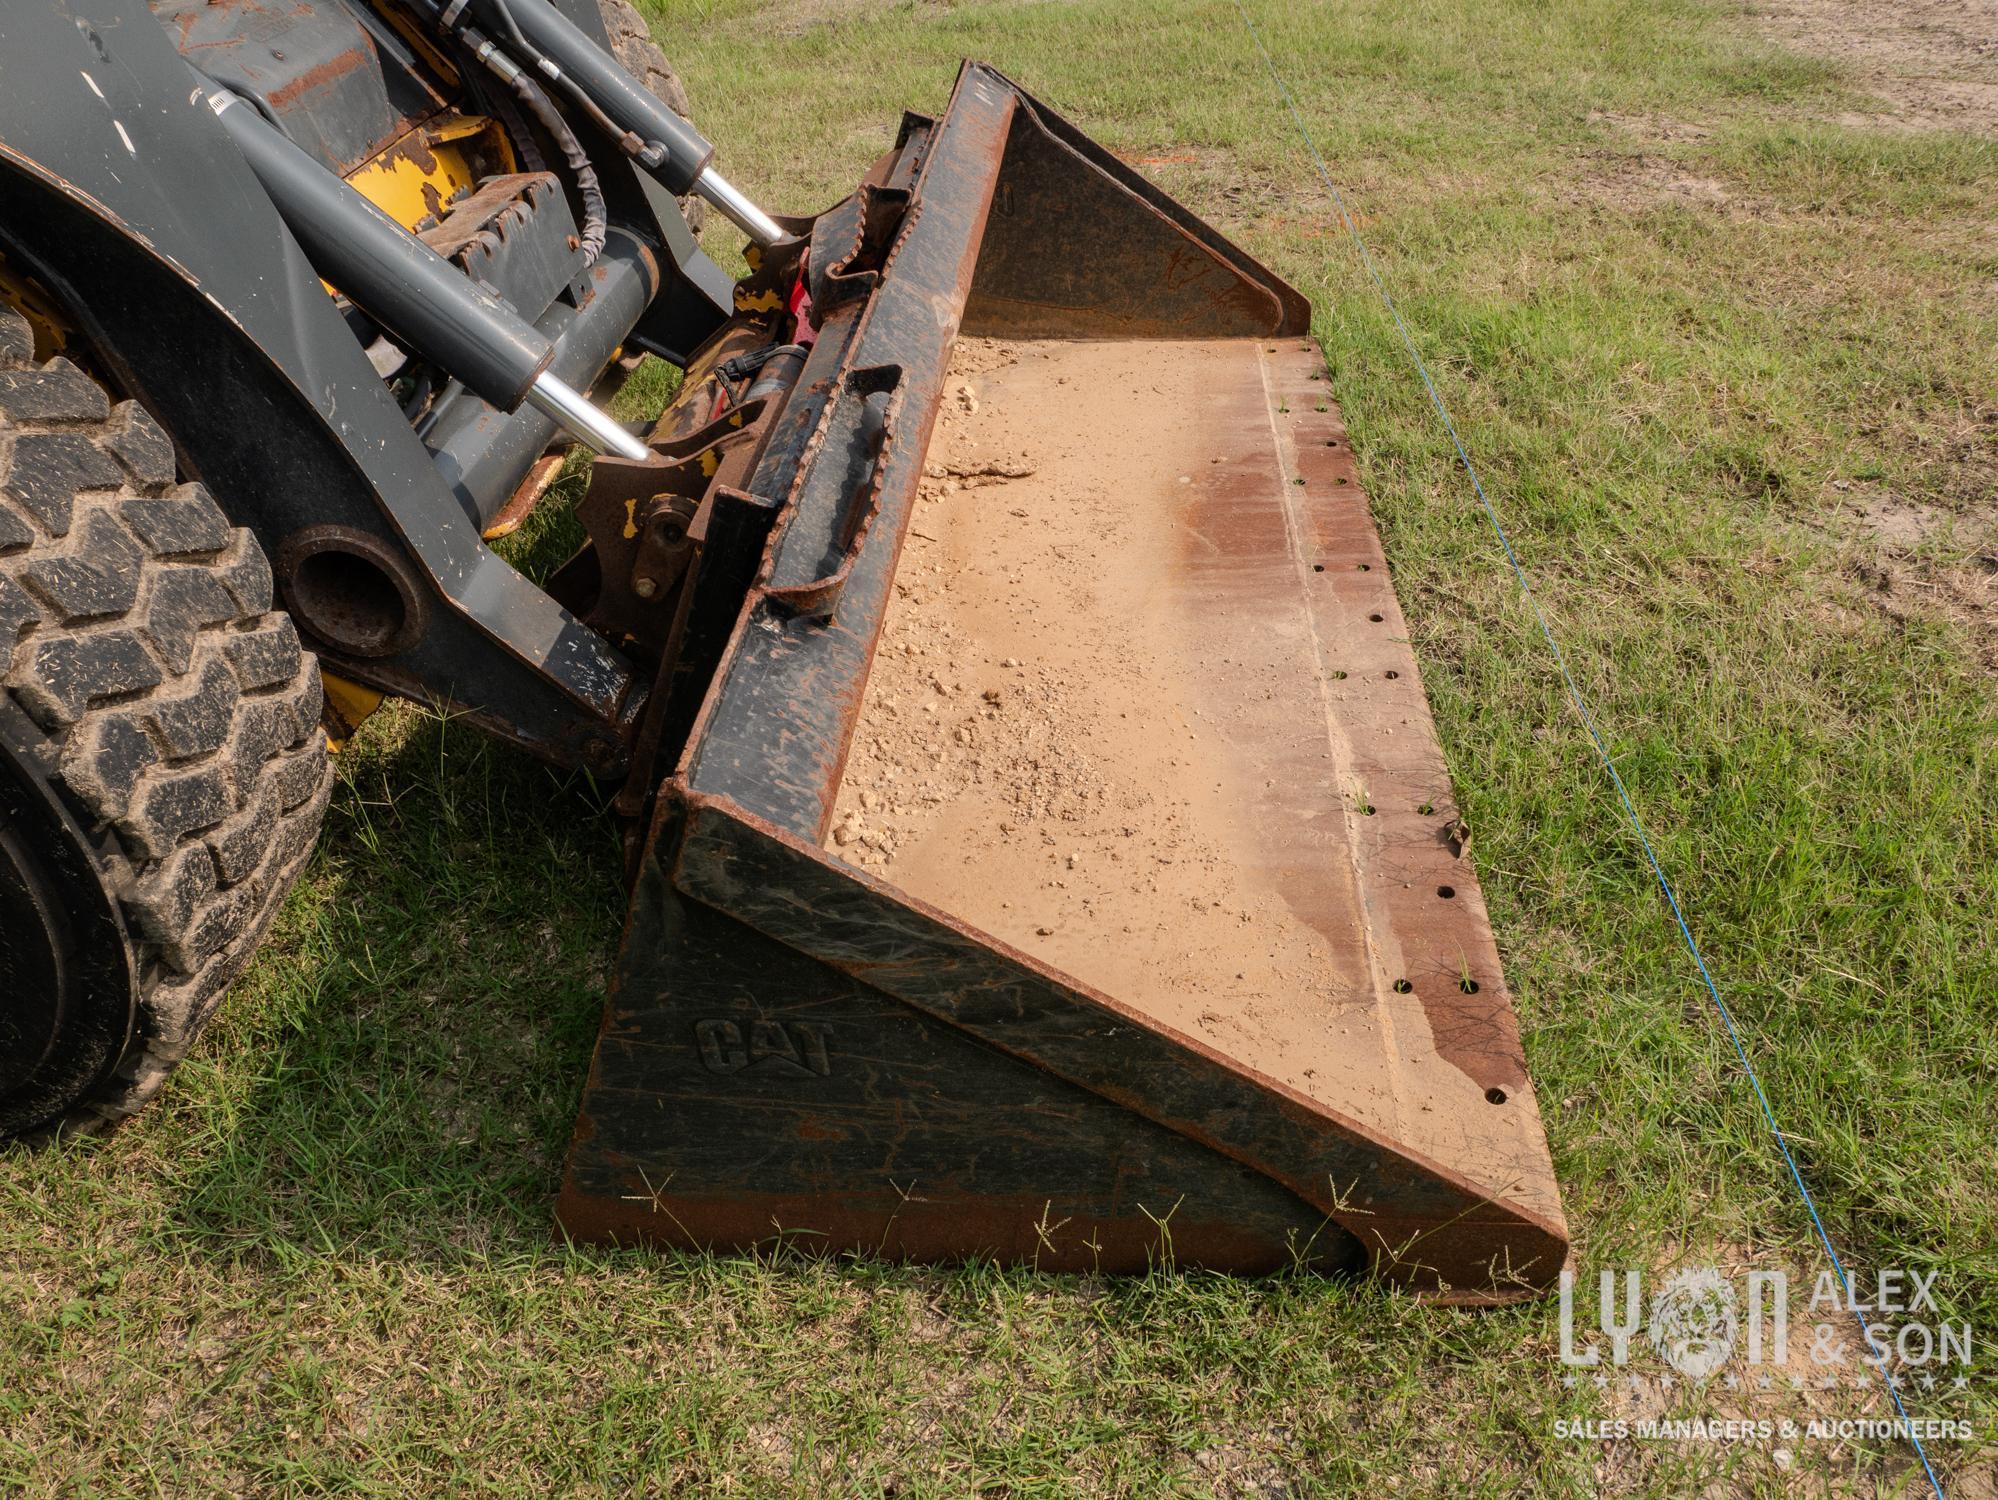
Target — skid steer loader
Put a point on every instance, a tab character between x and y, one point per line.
1039	845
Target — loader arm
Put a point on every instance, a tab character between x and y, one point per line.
129	206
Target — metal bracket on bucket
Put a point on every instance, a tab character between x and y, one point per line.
851	245
840	491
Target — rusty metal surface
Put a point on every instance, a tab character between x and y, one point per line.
349	588
520	504
514	235
745	1094
854	453
1213	584
800	698
1080	246
1420	1220
757	1079
919	281
343	82
644	519
1426	910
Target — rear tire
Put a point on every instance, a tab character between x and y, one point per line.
163	774
632	44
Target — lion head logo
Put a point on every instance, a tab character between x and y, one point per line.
1693	1322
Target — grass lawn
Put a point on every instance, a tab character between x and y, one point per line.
1723	336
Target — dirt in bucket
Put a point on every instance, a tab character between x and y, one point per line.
1045	749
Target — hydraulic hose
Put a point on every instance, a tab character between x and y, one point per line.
672	149
663	143
595	219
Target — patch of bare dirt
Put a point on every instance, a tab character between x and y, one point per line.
1900	525
1966	594
1915	561
1641	175
1643	181
1934	556
1932	64
1650	127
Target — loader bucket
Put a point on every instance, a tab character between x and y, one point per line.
1061	867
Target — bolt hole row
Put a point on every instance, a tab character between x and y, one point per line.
1466	985
1426	809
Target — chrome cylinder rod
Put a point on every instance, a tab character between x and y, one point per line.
564	403
679	155
422	298
737	207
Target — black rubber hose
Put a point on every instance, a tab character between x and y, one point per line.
595	220
593	73
526	148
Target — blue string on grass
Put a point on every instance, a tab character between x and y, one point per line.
1589	723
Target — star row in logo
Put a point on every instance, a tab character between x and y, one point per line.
1926	1379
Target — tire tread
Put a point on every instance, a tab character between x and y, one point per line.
137	630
